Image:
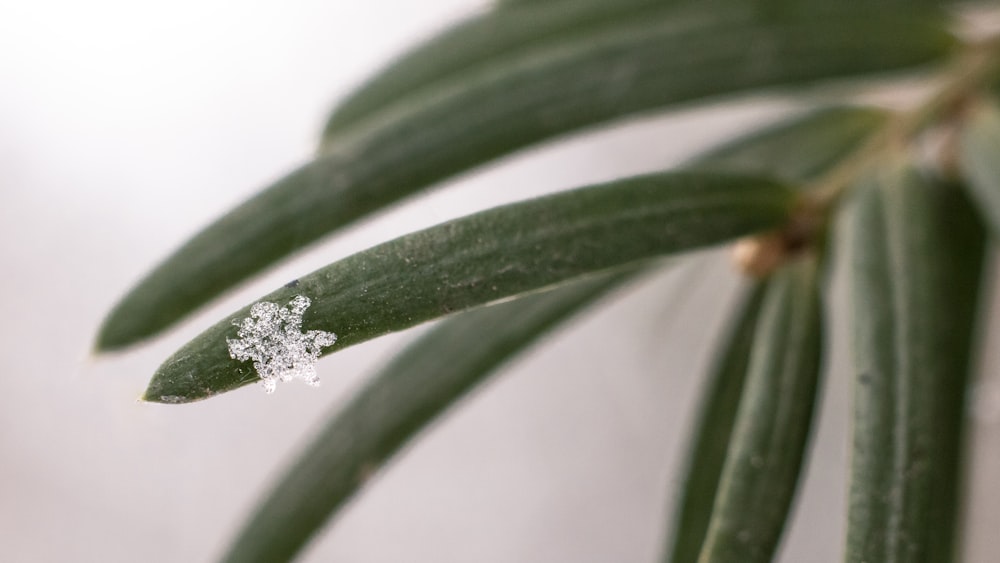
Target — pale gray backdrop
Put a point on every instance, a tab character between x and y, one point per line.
125	126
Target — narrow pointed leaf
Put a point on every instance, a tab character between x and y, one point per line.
445	365
772	424
712	432
799	148
492	255
918	248
874	365
674	54
482	42
519	3
979	158
395	405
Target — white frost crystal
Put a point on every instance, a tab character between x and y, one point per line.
272	337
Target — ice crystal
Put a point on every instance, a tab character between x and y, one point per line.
272	337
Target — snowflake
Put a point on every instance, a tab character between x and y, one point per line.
272	337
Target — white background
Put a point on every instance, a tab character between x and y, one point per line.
126	126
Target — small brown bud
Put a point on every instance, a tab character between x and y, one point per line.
759	255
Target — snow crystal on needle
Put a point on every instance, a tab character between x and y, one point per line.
272	337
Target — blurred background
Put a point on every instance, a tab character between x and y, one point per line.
127	126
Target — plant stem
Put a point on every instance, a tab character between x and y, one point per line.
971	69
759	255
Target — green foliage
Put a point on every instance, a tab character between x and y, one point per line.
431	373
710	444
422	381
635	62
797	150
980	145
772	423
530	71
918	247
493	255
